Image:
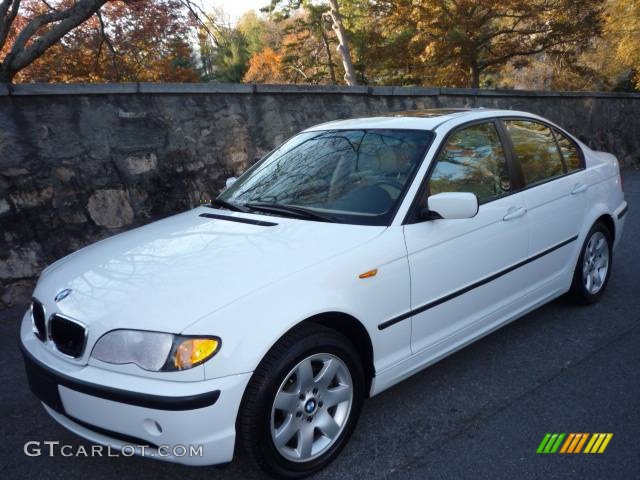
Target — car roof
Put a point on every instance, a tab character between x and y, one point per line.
427	119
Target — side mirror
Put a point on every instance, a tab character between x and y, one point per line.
230	181
453	205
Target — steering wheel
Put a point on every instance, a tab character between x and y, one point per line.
393	184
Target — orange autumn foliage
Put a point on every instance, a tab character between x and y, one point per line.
265	67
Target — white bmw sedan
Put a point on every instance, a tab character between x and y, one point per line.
349	258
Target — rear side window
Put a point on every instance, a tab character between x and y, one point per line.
570	152
472	160
536	150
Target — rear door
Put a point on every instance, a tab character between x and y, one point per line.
554	193
459	268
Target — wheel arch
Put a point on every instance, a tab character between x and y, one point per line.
247	430
356	332
608	221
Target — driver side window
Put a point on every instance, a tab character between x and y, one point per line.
472	160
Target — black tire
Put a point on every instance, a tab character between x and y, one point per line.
254	417
578	292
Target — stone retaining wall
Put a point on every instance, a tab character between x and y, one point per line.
81	162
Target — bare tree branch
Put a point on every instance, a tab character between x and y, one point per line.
51	7
22	54
107	40
4	7
6	19
45	29
32	28
203	19
327	48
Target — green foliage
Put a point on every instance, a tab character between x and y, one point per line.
230	58
254	30
224	54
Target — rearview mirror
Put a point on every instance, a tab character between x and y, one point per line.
230	181
453	205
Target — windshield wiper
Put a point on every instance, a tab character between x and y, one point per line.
228	205
291	210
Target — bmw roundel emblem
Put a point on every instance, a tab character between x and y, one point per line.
62	294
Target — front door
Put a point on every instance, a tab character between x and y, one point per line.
460	269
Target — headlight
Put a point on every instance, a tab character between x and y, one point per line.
155	351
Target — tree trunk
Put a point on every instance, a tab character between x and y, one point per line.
5	75
475	76
343	43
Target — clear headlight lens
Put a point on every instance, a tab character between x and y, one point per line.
154	351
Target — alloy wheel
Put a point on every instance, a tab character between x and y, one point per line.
595	265
311	407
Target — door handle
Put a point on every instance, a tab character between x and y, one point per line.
579	188
514	213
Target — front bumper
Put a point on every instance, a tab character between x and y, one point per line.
169	419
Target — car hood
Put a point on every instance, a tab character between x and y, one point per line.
171	273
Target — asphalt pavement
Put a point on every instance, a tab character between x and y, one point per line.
479	413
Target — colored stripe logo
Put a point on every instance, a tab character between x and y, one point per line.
574	442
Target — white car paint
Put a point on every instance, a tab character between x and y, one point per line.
249	284
454	205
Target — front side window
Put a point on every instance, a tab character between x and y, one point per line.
472	160
536	150
350	176
570	153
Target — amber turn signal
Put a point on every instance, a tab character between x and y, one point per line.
193	351
370	273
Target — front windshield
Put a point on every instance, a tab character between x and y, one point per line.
350	176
